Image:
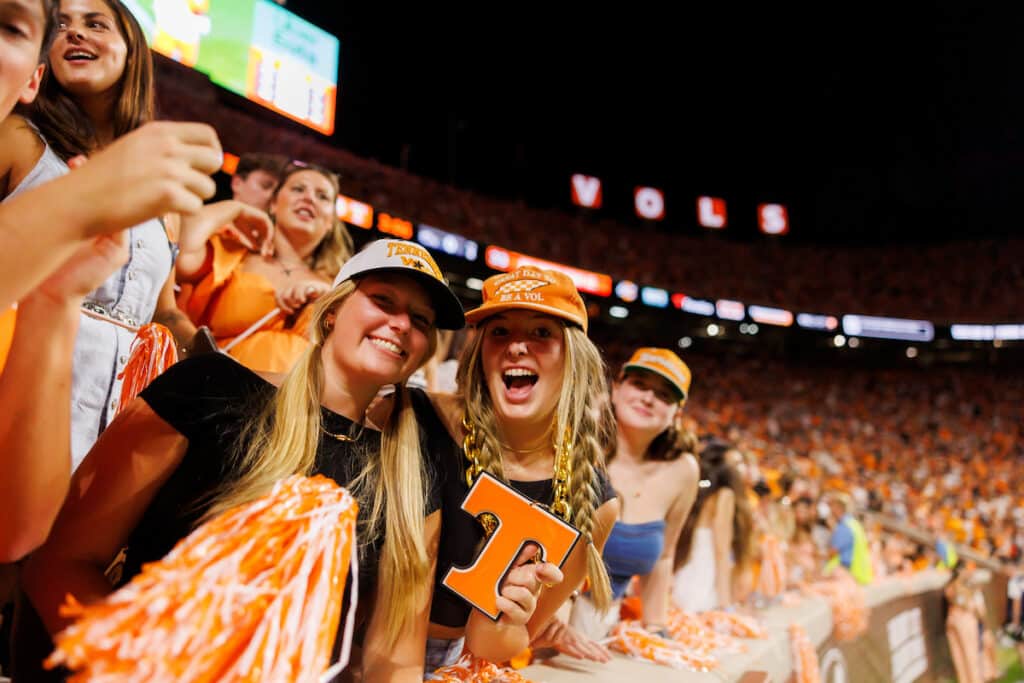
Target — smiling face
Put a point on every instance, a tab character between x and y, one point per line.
523	362
22	25
382	332
644	402
303	208
89	53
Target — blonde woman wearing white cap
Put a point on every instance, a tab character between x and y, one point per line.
527	379
210	434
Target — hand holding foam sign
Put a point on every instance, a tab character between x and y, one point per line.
521	522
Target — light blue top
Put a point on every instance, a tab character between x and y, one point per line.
128	295
842	541
632	550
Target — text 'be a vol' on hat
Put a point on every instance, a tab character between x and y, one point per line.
664	363
535	289
408	258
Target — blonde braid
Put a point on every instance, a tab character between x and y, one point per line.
585	501
476	405
585	378
587	458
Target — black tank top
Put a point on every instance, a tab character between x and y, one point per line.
208	399
461	533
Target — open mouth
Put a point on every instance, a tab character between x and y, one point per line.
305	212
519	382
388	346
79	56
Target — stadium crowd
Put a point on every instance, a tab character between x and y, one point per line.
968	280
712	485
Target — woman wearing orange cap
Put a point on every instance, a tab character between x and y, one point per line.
523	413
655	474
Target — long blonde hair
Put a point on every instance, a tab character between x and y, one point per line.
283	438
584	376
333	251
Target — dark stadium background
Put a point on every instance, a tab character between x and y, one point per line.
872	122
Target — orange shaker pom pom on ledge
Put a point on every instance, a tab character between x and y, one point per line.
696	643
850	611
805	657
252	595
631	639
736	625
153	351
471	669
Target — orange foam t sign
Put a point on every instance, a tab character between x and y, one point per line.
521	521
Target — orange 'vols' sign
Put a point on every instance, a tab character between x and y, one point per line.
520	521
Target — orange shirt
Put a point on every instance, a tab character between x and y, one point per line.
229	301
7	320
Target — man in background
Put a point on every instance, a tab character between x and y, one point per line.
848	545
256	178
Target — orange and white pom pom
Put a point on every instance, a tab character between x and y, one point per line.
471	669
631	639
772	578
691	632
252	595
805	658
736	625
153	351
850	612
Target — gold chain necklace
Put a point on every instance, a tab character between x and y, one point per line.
288	268
542	443
559	481
346	438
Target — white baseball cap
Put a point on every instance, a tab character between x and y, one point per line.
408	258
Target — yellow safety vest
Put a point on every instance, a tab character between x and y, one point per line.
860	561
950	559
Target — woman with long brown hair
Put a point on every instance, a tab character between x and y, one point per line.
97	87
62	240
716	538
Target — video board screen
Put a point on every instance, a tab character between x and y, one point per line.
254	48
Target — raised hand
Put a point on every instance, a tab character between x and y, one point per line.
158	168
241	222
292	297
253	229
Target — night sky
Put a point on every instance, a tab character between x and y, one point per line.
873	124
